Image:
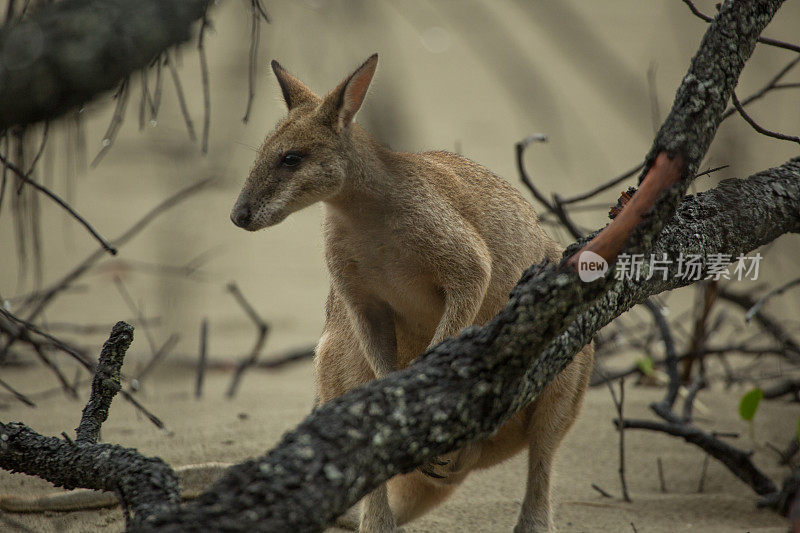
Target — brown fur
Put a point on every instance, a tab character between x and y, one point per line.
418	246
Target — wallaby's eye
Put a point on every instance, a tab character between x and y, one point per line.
291	159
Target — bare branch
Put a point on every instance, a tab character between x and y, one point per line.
59	77
53	196
774	292
736	460
106	383
766	40
261	337
757	127
201	52
176	80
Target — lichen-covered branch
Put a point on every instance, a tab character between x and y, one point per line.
105	384
67	52
464	388
684	137
145	485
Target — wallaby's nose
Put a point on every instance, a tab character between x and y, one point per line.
241	216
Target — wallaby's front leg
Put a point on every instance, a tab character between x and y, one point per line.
462	303
374	325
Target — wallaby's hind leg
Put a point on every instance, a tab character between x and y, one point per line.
553	414
412	495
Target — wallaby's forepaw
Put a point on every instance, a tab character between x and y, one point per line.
440	467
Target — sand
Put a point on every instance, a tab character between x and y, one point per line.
269	403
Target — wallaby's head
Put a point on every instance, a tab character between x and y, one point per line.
306	157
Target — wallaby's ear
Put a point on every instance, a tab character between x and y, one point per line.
295	93
342	103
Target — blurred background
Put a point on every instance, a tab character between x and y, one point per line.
467	76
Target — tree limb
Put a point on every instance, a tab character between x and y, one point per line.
106	383
466	387
67	52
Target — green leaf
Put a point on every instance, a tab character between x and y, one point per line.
646	365
749	403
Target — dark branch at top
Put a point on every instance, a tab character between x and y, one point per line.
67	52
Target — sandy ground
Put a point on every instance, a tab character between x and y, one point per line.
269	403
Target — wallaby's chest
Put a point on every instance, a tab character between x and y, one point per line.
378	263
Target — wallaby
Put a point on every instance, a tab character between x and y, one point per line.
418	246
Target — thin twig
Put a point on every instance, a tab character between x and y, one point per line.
201	52
697	385
737	461
604	187
655	108
53	196
116	122
618	405
252	70
671	358
771	85
557	207
4	172
201	362
49	363
40	151
18	395
43	299
159	354
176	80
767	322
142	409
774	292
61	345
126	296
261	337
701	483
603	493
757	127
661	481
157	89
765	40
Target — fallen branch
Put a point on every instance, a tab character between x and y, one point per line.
60	74
145	485
261	335
736	460
106	383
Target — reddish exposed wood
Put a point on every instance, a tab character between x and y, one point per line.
663	174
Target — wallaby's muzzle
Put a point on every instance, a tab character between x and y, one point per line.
241	215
